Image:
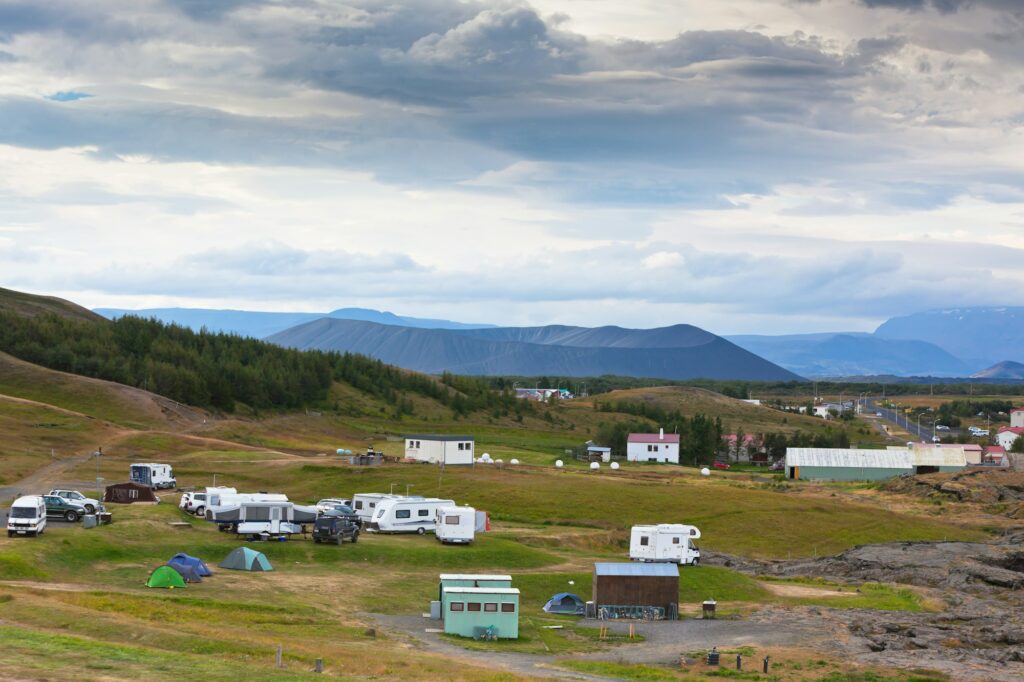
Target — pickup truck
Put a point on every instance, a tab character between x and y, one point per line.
334	529
90	504
60	508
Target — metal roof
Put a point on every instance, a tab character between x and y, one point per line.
481	590
938	457
893	458
653	438
597	448
473	576
638	570
437	438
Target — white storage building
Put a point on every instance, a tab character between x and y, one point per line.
653	447
440	449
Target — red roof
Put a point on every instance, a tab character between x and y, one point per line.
995	450
1019	430
747	439
653	438
1017	409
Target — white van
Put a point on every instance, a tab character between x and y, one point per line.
156	476
455	525
27	516
407	515
665	542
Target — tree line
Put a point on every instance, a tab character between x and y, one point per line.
222	371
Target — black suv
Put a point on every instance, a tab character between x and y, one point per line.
334	529
346	512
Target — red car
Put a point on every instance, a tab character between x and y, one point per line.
721	465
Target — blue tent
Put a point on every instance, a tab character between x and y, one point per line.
198	564
565	602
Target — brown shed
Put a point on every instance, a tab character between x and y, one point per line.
128	493
636	590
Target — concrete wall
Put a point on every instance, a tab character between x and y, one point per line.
848	473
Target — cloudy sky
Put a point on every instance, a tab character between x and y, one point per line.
759	166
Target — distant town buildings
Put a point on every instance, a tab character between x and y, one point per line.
541	394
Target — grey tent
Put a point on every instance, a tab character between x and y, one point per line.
188	573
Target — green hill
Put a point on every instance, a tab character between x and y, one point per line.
30	305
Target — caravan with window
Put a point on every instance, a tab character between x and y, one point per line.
455	525
407	515
665	542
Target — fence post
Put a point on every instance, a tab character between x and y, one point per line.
319	667
277	658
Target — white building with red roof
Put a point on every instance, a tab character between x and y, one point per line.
1008	434
653	447
1017	417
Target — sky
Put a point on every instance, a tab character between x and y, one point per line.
747	166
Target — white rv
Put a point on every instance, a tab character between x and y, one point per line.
156	476
365	504
455	525
665	542
229	496
262	518
27	516
406	515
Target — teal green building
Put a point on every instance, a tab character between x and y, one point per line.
833	464
481	612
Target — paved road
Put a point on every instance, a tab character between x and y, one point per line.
922	431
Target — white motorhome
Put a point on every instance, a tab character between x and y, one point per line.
407	515
665	542
455	525
27	516
229	496
262	518
156	476
365	504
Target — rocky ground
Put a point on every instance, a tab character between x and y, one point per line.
978	631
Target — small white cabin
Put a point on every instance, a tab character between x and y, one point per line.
455	525
407	515
665	542
440	449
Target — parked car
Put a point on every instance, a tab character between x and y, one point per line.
721	465
330	503
27	516
334	529
58	507
192	502
90	504
941	427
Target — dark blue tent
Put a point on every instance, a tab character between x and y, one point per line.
182	559
188	573
565	602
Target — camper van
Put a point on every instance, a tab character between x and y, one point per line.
156	476
365	504
262	518
27	516
406	515
665	542
455	525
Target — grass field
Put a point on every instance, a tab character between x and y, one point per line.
73	602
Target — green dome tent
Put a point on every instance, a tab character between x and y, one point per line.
245	559
165	576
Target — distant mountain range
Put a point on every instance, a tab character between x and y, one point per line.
678	352
262	324
979	336
854	353
1002	370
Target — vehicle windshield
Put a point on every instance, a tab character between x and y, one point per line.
23	512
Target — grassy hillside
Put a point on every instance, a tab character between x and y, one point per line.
30	305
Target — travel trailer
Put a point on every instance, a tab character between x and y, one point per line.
455	525
156	476
665	542
406	515
262	519
27	516
365	504
220	498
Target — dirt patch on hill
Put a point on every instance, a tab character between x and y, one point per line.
790	590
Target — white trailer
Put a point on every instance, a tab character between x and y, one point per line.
455	525
407	515
665	542
229	496
156	476
258	518
365	504
440	449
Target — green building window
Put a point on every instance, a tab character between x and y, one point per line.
457	606
491	607
508	608
474	606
